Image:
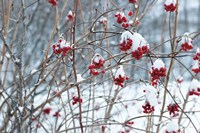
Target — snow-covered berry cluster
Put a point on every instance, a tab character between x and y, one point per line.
70	16
97	65
151	99
61	46
53	2
76	100
186	42
194	88
135	42
121	19
172	127
126	41
196	58
157	71
103	20
140	46
179	79
173	109
120	77
170	5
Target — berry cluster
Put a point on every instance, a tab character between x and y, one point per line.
46	111
70	16
129	123
148	108
157	73
196	58
173	108
158	70
76	100
120	80
96	65
137	54
179	79
61	46
140	46
121	19
170	5
53	2
186	42
120	77
56	114
126	45
186	46
103	20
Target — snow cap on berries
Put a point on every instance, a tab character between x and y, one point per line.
186	42
120	77
196	66
151	95
61	46
120	71
96	65
126	41
197	55
172	127
194	88
97	58
126	35
158	64
70	16
138	41
140	46
195	84
103	20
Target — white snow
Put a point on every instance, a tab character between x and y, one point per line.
33	71
151	95
70	13
126	35
21	109
138	41
103	19
196	64
97	57
172	126
120	71
79	78
186	38
8	55
198	50
158	64
195	84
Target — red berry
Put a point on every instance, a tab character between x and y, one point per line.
130	13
